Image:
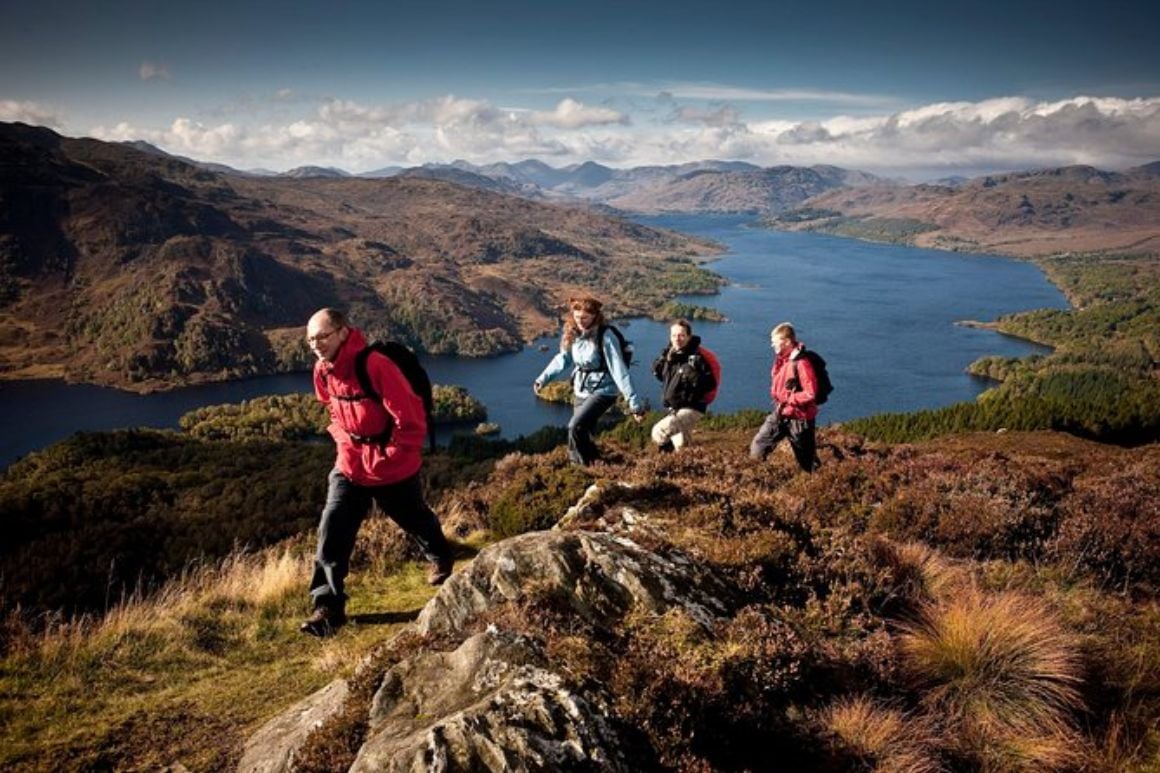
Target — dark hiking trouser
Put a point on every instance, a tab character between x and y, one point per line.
581	448
347	504
801	438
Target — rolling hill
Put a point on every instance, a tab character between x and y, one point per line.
124	267
1068	209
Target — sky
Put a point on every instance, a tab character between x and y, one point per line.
916	90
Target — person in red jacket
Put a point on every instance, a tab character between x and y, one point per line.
793	388
379	443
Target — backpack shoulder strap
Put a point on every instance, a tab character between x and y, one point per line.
361	372
408	364
600	345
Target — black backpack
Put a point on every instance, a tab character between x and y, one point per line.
626	348
825	386
408	363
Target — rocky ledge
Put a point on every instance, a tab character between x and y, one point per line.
494	702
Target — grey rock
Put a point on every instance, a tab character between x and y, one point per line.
494	702
603	576
272	748
488	705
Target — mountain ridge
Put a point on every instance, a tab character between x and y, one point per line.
1023	214
122	267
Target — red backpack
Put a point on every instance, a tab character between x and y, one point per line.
715	368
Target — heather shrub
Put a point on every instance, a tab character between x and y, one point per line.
711	700
990	507
534	497
1111	527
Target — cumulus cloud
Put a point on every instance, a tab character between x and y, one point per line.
927	140
32	113
994	134
149	71
570	114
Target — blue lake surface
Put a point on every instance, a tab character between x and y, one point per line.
883	316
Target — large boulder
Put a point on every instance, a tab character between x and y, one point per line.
490	704
494	702
601	575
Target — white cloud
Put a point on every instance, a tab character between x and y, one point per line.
32	113
152	71
968	137
994	134
570	114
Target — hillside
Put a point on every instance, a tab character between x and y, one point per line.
762	191
128	268
1025	214
703	187
982	602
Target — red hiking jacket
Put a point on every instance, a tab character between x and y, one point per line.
371	463
799	403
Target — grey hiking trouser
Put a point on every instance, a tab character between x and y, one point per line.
800	434
347	504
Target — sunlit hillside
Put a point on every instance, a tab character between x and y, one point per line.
977	602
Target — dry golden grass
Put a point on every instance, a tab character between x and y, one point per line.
885	737
1002	675
262	582
926	570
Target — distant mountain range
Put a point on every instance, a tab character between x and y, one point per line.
1042	212
705	186
125	266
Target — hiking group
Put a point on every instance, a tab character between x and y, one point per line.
379	401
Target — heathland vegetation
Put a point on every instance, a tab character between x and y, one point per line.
979	602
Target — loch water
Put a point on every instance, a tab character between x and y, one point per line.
883	316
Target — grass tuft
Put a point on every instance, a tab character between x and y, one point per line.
886	738
999	669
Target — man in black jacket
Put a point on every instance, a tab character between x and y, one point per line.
689	375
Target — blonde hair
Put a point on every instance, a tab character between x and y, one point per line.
784	330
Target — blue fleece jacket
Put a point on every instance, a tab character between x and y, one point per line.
582	360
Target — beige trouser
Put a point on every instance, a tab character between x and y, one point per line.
677	427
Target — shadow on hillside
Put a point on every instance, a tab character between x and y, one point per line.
386	618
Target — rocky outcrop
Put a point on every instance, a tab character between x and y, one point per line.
494	702
272	748
491	704
603	576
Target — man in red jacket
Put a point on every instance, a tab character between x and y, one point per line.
379	443
793	389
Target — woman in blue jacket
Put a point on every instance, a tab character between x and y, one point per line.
591	353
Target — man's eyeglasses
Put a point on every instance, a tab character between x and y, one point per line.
320	337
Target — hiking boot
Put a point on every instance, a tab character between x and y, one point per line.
323	622
440	570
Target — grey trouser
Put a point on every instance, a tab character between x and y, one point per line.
801	438
347	504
